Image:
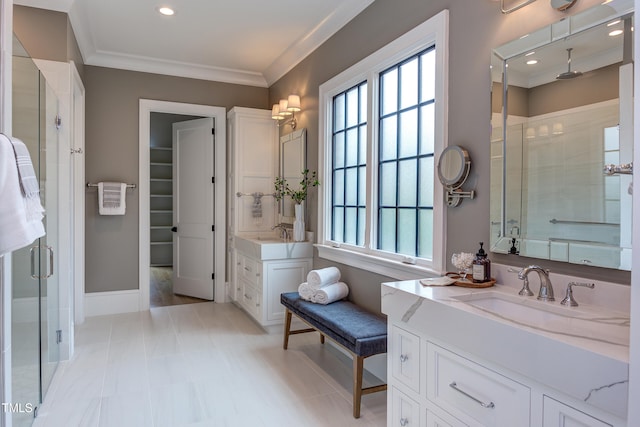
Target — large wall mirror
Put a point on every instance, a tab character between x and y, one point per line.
561	111
293	149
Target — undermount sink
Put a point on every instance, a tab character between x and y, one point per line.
601	325
267	247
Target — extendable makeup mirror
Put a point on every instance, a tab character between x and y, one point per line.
453	170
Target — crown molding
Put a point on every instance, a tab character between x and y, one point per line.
307	44
174	68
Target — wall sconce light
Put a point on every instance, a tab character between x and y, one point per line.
286	110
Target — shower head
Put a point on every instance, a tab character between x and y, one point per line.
569	74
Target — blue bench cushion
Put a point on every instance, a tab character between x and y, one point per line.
357	329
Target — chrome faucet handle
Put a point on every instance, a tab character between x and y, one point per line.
569	300
525	291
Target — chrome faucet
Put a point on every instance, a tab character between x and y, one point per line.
546	289
284	231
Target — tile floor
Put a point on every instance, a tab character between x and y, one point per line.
202	364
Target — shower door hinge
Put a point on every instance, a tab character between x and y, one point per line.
213	228
58	121
58	336
213	276
213	179
213	131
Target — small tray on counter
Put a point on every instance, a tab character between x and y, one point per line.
467	283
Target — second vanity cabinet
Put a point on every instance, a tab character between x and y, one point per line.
261	275
432	385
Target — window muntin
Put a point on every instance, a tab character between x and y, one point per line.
349	165
406	156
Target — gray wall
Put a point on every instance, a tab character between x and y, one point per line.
112	98
474	28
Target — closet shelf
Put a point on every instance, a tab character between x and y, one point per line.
161	211
161	243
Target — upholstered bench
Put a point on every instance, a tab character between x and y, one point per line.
360	332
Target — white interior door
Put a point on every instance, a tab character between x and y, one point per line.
193	207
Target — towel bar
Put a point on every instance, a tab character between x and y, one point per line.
239	194
95	185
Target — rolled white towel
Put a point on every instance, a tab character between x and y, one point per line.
305	291
330	293
323	277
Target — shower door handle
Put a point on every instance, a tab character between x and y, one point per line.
50	249
33	262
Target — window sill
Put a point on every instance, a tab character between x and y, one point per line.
393	269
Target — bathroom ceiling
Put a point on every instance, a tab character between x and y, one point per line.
253	42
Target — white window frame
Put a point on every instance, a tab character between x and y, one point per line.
401	267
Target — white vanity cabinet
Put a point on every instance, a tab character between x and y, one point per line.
260	276
432	385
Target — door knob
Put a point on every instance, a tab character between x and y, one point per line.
174	229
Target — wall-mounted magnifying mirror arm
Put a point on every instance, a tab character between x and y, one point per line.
455	197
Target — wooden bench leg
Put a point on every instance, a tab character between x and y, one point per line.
287	328
358	364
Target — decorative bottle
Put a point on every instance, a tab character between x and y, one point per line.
481	267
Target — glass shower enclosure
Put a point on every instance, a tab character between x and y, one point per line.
35	318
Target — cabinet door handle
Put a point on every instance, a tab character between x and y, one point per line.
403	358
404	422
248	297
454	386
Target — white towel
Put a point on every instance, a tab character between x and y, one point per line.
20	216
323	277
111	198
330	293
305	291
28	181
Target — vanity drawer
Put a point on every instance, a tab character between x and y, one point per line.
405	358
473	393
405	412
557	414
251	299
249	269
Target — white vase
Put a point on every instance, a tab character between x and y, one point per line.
298	224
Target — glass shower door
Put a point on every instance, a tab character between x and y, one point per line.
35	313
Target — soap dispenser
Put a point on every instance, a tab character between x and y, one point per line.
481	267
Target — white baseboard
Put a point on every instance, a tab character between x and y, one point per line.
115	302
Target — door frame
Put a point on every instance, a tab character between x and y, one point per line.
148	106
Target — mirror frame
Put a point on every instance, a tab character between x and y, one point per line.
296	136
590	18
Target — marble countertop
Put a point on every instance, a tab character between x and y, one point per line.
596	329
583	353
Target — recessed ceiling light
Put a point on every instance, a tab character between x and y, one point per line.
532	62
167	11
615	33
